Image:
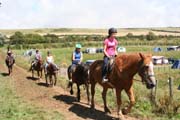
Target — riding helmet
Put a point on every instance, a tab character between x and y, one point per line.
78	45
112	30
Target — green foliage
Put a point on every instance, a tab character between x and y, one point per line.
2	40
151	36
17	38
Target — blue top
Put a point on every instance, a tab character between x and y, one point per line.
77	56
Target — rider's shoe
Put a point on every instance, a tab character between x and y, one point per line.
104	80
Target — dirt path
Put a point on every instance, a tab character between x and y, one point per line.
53	98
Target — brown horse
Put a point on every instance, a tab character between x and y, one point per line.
9	63
38	67
121	77
51	71
79	75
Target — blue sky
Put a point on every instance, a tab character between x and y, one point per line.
89	13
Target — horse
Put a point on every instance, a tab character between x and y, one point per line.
9	63
38	67
80	76
121	78
51	71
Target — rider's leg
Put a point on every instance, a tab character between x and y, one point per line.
46	64
72	69
104	69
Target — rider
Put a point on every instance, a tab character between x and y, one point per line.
50	60
110	45
37	58
77	57
10	55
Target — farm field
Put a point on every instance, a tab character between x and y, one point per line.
86	31
144	109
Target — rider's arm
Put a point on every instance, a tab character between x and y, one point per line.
81	57
52	59
73	57
105	52
116	53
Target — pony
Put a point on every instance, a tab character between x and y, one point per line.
51	71
37	67
120	78
9	63
79	75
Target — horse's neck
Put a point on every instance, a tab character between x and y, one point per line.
130	65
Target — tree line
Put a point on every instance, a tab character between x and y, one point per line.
20	40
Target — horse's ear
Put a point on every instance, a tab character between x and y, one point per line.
141	55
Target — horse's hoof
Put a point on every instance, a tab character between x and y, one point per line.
107	110
92	106
71	92
125	111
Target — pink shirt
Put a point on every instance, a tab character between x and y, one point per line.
111	46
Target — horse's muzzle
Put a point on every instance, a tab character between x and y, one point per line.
150	86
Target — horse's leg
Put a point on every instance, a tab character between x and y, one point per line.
106	109
41	73
78	92
92	94
132	100
32	73
9	70
87	92
55	79
71	87
51	81
38	74
46	77
118	98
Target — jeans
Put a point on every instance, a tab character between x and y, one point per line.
105	66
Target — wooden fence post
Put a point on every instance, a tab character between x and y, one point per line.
154	93
170	88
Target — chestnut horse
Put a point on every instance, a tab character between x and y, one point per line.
38	67
9	63
51	71
80	76
121	77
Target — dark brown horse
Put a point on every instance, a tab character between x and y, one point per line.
37	67
80	76
9	63
121	77
51	71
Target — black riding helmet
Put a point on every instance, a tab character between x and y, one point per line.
112	30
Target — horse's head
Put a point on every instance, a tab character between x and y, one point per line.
146	71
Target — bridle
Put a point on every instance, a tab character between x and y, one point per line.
144	73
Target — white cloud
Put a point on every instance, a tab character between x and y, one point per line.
89	13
